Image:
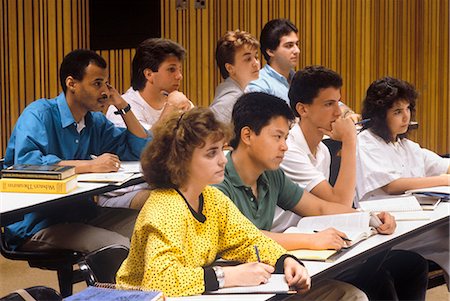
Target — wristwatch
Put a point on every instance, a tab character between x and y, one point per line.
220	275
123	111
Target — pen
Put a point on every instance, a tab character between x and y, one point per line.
257	253
343	238
93	157
362	121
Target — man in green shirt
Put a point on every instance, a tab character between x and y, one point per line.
254	182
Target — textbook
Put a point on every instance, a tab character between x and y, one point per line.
102	292
38	186
354	225
28	171
403	208
275	285
442	192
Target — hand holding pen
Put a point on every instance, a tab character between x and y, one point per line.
329	239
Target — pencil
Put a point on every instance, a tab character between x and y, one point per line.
257	253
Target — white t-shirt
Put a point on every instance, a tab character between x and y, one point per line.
378	163
146	115
302	167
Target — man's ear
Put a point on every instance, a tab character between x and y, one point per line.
148	74
270	52
246	133
301	109
70	84
229	68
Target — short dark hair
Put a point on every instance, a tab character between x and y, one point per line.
381	95
306	84
150	54
74	64
256	110
227	46
272	33
166	159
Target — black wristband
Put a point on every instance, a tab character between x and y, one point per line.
123	111
210	279
279	266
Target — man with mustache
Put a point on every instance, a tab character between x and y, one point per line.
70	130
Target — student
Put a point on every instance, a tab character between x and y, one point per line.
280	48
256	185
186	224
67	130
389	163
153	95
314	96
156	78
237	59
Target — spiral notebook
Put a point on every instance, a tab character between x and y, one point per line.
113	292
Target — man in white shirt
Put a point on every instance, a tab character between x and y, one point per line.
314	96
156	78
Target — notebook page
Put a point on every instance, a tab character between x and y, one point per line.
276	284
357	221
436	189
391	204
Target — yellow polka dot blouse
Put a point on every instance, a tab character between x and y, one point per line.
169	246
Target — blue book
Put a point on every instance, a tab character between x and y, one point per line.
93	293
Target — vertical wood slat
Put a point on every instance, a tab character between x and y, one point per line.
363	40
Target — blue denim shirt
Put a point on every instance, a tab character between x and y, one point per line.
271	82
46	133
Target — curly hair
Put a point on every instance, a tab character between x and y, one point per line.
165	160
227	46
381	95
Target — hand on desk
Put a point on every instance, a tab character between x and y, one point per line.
389	224
328	239
296	275
105	163
247	274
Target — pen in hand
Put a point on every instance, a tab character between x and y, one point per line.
257	253
362	121
343	238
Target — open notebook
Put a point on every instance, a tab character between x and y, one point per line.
354	225
403	207
276	285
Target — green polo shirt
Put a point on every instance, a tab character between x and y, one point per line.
274	188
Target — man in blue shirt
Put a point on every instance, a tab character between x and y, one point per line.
71	130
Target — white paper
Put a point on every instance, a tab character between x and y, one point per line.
276	284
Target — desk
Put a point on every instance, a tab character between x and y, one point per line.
367	248
14	205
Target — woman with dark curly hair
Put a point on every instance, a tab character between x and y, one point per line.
186	224
389	163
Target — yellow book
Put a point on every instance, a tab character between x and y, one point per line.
38	186
314	255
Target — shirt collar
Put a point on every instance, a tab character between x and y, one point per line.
234	177
273	73
66	115
300	140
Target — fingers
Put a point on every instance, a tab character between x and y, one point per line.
109	162
389	223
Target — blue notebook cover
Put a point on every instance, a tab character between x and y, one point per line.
99	294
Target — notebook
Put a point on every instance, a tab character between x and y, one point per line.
354	225
403	207
275	285
314	255
102	292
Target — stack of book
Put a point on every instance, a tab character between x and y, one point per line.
38	179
